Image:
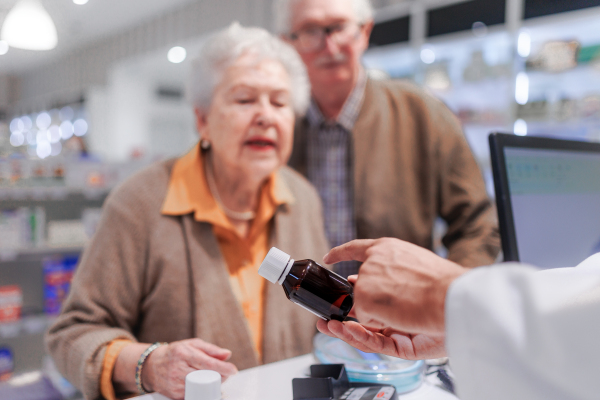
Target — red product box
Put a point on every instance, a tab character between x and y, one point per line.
11	302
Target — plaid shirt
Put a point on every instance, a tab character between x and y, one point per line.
330	169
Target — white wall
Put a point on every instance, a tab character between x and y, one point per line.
127	115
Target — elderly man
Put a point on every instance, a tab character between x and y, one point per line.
386	158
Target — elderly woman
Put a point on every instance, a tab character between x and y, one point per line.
174	260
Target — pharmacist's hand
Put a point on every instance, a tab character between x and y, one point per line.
166	367
385	341
399	285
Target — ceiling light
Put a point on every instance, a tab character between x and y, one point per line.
17	139
66	113
27	122
80	127
43	150
479	29
66	130
520	127
176	55
524	44
522	88
29	26
3	47
43	120
16	125
80	2
427	56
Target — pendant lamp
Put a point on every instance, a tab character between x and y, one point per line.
29	26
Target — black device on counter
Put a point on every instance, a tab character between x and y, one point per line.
330	382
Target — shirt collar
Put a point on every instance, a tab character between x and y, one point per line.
350	110
188	192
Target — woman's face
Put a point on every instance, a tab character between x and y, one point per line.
250	122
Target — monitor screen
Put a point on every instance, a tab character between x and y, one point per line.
555	197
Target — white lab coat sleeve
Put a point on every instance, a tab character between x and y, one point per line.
513	332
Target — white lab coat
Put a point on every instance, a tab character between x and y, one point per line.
513	332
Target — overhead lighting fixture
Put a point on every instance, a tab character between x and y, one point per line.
80	2
520	127
524	44
427	56
29	26
479	29
176	54
522	88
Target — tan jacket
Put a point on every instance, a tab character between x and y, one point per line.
411	165
150	277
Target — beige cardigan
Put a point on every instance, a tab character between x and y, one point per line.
150	277
412	164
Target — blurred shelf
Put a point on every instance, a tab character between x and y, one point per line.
10	255
26	327
49	193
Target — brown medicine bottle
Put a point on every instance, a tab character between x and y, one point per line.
306	283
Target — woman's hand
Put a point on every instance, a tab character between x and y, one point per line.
385	341
166	367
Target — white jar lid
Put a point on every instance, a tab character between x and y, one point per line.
203	385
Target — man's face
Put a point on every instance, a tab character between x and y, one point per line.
337	58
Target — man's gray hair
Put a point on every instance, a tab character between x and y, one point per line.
225	47
282	9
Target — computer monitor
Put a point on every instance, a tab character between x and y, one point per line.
548	198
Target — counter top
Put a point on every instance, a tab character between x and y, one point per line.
274	382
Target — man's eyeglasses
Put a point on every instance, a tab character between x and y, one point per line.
313	38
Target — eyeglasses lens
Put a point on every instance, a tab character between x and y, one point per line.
313	39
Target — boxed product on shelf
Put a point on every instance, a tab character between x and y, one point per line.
66	233
58	273
11	302
7	363
23	227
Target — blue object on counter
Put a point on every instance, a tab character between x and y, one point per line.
405	375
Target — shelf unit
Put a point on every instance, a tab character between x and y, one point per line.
24	267
485	100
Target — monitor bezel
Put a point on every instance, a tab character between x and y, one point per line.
498	142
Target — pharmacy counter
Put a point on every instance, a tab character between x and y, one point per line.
274	382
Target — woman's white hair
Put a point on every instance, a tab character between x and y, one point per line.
223	48
363	10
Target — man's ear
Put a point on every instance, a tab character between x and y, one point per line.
201	123
366	30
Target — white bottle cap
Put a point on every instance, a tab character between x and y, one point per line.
274	266
203	385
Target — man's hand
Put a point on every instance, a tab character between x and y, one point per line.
400	285
167	366
385	341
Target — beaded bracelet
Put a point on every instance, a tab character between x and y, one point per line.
140	365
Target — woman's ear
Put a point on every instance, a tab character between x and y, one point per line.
201	124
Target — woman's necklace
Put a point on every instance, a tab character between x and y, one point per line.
212	186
